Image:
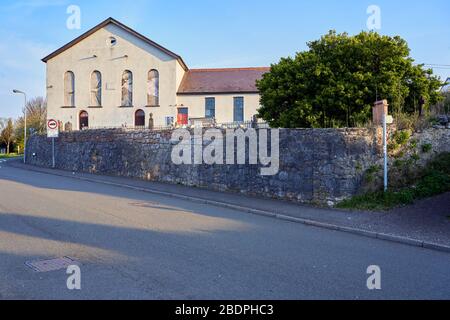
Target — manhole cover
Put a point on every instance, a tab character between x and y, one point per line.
51	265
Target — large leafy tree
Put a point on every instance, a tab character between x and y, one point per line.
336	82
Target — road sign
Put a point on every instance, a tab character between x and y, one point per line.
389	119
52	129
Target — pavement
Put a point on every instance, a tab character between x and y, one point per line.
133	244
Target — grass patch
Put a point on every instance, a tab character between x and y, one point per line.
434	180
8	156
378	200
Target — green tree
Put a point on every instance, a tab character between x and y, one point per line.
336	82
36	120
7	135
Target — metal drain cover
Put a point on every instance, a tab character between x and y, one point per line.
51	265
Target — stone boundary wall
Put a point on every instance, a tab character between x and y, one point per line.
316	165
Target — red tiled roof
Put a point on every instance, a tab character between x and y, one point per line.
210	81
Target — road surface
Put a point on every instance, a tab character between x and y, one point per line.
135	245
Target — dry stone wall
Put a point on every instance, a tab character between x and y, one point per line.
316	165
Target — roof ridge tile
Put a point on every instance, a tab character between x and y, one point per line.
230	69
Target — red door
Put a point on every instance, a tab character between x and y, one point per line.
84	120
183	116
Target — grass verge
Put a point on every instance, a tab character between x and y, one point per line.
8	156
434	180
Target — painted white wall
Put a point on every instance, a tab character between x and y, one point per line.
110	61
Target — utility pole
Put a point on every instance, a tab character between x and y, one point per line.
385	152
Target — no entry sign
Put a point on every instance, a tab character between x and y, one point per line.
52	129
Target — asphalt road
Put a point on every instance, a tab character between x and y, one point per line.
135	245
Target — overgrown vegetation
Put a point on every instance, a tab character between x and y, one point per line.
434	180
399	139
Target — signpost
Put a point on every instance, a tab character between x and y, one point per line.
53	132
386	120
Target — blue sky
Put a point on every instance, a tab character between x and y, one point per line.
209	33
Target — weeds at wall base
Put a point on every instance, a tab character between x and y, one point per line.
434	180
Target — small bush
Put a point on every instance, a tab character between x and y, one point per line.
399	163
441	164
374	169
393	146
426	148
415	157
413	144
434	182
402	137
371	173
400	155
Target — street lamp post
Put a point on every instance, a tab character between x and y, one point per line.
25	126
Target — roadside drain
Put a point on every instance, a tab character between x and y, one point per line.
51	265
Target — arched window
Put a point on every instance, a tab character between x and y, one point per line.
153	88
84	120
96	89
69	89
139	118
127	89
